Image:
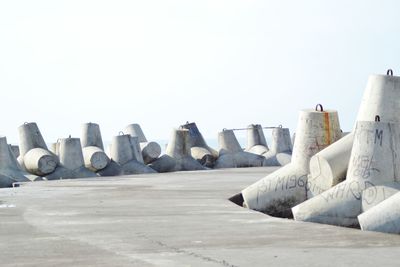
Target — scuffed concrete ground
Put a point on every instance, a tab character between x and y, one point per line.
175	219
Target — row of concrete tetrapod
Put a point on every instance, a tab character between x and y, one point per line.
348	181
131	153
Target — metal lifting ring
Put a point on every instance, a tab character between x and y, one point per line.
377	118
224	129
280	126
389	72
121	133
320	107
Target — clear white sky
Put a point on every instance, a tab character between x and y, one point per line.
222	64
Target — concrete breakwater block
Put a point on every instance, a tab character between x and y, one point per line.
150	150
231	155
92	148
278	192
178	155
72	164
34	154
280	153
199	149
373	162
125	152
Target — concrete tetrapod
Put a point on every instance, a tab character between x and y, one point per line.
34	155
177	156
198	146
93	150
231	155
278	192
150	150
384	217
280	153
329	166
256	142
373	162
10	171
71	161
380	97
125	152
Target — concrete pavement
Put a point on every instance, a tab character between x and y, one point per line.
169	219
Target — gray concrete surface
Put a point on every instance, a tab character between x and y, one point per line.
173	219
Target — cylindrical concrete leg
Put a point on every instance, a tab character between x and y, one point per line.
255	136
121	149
328	167
91	135
150	151
137	152
71	160
71	156
228	143
40	161
30	137
381	98
135	130
95	158
281	140
178	146
384	217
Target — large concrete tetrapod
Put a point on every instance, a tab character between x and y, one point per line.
177	156
92	147
10	171
125	152
231	155
280	153
384	217
150	150
198	146
34	155
374	161
278	192
381	97
72	164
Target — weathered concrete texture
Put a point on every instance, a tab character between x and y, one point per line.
95	158
280	153
177	155
174	219
329	166
71	161
91	135
150	150
199	149
231	155
256	138
381	97
92	148
278	192
373	162
34	155
10	171
384	217
125	152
